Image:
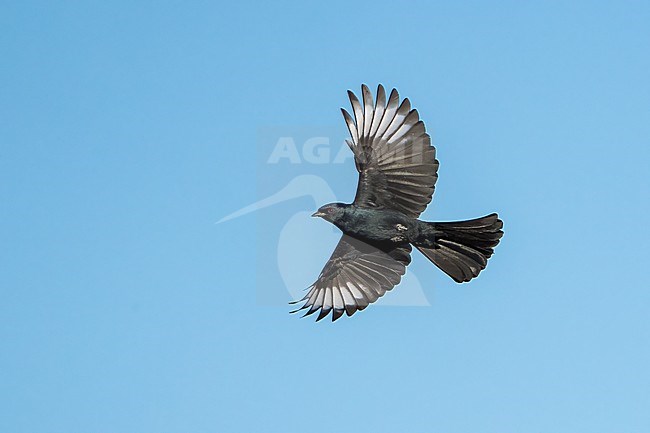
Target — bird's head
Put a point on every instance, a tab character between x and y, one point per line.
331	212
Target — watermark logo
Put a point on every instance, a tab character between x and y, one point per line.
315	150
298	170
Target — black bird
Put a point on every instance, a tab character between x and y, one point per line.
397	173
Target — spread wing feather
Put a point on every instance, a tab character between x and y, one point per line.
393	153
356	275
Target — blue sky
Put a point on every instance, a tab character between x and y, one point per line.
127	129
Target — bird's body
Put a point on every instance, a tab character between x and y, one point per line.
397	174
381	227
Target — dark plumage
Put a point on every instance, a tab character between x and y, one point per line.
397	175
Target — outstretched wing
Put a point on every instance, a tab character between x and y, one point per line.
393	153
355	276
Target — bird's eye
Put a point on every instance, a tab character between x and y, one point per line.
330	210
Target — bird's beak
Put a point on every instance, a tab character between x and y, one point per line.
318	214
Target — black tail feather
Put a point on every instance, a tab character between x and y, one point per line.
461	249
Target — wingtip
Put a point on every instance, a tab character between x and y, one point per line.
304	298
323	313
381	93
297	301
337	313
297	309
365	90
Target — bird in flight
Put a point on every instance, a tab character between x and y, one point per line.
397	168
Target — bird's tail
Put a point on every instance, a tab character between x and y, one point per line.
460	249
